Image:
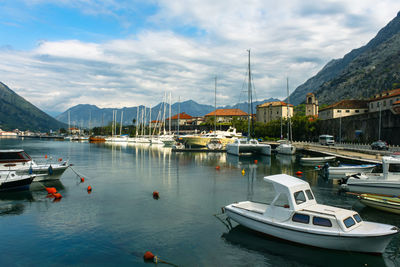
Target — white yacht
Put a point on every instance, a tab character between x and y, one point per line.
10	180
295	215
19	160
247	146
286	148
387	182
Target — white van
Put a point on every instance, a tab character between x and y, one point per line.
326	140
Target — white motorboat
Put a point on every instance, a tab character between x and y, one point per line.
117	139
387	182
286	148
10	180
316	160
295	215
19	160
178	145
246	146
343	169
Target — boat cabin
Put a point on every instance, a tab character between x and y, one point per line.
13	156
294	201
391	166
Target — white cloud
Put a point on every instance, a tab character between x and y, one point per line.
193	42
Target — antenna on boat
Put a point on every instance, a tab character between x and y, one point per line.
215	112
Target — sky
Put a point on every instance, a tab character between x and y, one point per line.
123	53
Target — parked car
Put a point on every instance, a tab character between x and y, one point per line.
380	145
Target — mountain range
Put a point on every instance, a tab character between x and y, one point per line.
364	71
85	115
17	113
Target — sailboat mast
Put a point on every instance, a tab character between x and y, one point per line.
249	98
179	111
170	100
137	120
215	104
69	122
120	127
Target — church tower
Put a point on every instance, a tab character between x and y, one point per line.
311	105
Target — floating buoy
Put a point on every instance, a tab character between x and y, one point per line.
319	166
299	173
89	189
255	161
51	190
82	179
57	195
60	159
45	156
148	256
217	167
243	172
156	195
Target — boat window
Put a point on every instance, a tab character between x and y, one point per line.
321	221
10	156
301	218
25	156
349	222
394	167
357	217
309	194
299	197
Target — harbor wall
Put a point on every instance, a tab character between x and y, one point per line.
364	127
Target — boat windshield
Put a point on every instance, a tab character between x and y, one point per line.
14	156
394	167
349	222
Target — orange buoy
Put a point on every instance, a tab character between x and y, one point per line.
82	179
60	159
51	190
57	195
217	167
299	173
89	189
319	166
148	256
156	195
45	156
255	161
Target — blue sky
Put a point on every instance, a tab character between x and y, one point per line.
111	53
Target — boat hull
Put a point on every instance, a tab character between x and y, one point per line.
238	149
384	187
388	204
199	141
20	184
344	170
370	244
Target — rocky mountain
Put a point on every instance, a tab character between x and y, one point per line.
361	73
85	115
17	113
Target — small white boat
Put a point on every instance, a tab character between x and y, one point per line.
343	169
386	183
286	148
295	215
10	180
178	145
316	160
19	160
246	146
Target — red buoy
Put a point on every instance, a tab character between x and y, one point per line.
299	173
45	156
148	256
217	167
255	161
51	190
319	166
57	195
60	159
156	195
89	189
82	179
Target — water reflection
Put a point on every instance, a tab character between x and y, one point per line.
277	251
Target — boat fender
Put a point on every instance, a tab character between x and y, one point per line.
57	195
45	156
255	161
82	179
243	172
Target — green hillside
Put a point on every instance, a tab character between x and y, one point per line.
17	113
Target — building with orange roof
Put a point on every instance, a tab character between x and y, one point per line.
344	108
275	110
183	118
384	100
227	114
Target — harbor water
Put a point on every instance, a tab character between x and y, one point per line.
119	220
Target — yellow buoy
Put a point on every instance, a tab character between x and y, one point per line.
243	172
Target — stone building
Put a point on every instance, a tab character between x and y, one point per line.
226	115
311	105
276	110
344	108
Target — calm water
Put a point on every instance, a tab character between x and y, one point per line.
119	220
